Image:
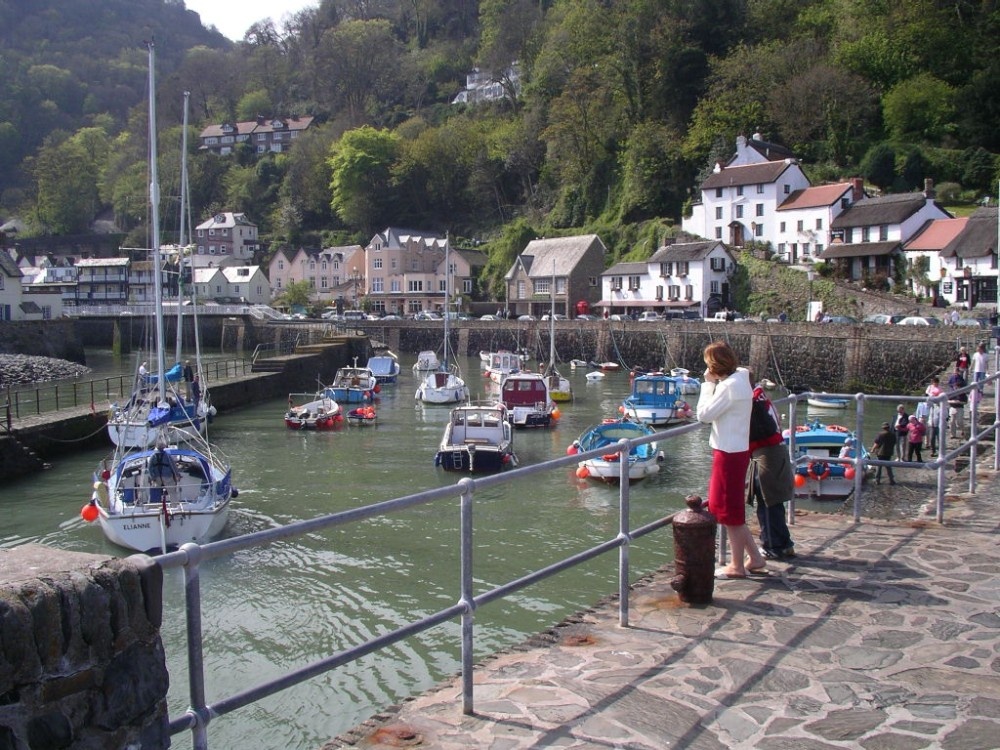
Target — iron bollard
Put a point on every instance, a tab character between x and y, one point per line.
694	553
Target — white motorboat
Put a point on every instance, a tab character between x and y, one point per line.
444	384
478	438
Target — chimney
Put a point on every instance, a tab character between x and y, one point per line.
741	142
260	119
929	191
857	189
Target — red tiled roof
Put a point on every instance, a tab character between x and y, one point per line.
812	197
936	234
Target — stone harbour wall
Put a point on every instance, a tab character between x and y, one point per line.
81	661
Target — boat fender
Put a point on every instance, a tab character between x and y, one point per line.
818	470
837	428
235	493
610	456
801	428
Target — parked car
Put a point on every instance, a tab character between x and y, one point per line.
488	316
586	316
882	319
427	315
556	316
842	319
919	320
649	316
526	317
973	322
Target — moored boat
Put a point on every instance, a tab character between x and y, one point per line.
477	438
643	460
427	361
687	384
822	401
655	399
385	368
526	396
353	385
319	413
819	471
362	416
501	364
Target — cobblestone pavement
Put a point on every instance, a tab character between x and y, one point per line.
882	635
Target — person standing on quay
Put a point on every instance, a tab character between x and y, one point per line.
725	403
962	362
883	448
979	364
915	438
901	425
772	478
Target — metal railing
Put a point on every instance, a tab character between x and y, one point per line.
190	557
32	400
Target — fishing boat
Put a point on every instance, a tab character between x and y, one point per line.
180	489
443	385
822	401
385	368
427	361
529	404
687	384
606	366
320	412
820	472
362	416
353	385
655	400
501	364
643	460
477	438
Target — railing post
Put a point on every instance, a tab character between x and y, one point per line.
467	594
196	661
624	503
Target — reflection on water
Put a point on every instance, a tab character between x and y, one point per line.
275	608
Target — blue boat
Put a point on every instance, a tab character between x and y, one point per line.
353	385
643	460
656	399
819	471
385	367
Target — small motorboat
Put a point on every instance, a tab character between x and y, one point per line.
687	384
478	438
594	376
578	364
529	404
822	401
820	473
319	413
427	361
385	367
353	385
501	364
655	400
606	366
643	460
362	415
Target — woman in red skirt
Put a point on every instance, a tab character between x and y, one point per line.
725	400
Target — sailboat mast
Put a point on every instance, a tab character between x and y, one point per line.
447	301
182	236
154	200
552	318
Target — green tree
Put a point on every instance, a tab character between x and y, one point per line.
654	173
361	183
879	165
920	108
297	293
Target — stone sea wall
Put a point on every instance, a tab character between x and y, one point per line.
81	661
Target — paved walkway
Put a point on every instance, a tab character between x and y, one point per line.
881	635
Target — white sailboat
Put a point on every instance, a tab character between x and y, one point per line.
183	403
444	385
178	488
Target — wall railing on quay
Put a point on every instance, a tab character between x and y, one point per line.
30	400
190	557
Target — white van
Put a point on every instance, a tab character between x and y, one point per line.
649	315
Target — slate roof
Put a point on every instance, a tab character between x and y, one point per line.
747	174
859	249
627	268
685	251
979	238
887	209
566	252
770	151
9	267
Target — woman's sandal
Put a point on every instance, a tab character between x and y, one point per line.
721	574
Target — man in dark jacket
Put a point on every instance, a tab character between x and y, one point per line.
883	448
772	478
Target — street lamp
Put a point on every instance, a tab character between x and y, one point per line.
355	277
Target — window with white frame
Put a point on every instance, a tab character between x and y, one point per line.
415	285
689	292
760	188
466	286
522	287
718	233
718	213
819	223
542	286
739	190
377	264
378	285
739	211
760	209
616	283
674	291
394	286
758	230
561	286
683	268
713	287
634	282
883	233
666	269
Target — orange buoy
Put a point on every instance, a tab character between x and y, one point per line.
849	472
89	512
800	480
583	472
572	449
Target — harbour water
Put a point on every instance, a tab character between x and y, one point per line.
273	609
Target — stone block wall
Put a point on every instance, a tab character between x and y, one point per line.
81	661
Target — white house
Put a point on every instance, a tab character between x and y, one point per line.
925	250
805	217
688	275
10	288
739	203
866	239
233	284
969	264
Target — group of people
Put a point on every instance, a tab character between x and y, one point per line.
749	463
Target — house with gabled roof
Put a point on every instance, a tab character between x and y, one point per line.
265	136
227	237
678	276
327	271
969	265
564	269
804	219
10	288
403	271
739	199
102	281
866	239
925	249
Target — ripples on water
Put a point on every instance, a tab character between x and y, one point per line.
280	607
